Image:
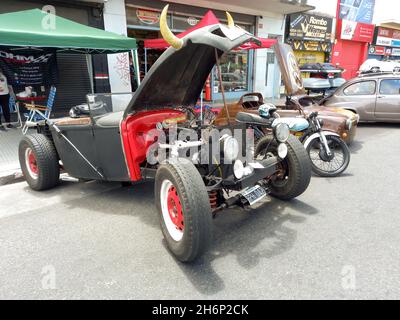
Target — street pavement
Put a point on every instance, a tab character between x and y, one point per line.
94	240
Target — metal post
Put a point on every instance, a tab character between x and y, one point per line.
135	58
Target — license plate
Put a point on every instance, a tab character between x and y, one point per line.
254	194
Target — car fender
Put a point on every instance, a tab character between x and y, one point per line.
316	136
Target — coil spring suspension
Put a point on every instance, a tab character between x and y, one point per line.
213	195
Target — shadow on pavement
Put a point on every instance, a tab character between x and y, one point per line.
239	233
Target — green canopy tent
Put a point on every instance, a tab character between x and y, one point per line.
38	29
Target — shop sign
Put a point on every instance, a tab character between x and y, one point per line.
379	51
310	27
148	16
356	31
311	46
357	10
29	68
388	37
395	52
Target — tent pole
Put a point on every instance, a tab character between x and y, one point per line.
135	58
90	71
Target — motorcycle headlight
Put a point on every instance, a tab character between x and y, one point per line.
321	122
238	169
231	149
282	132
282	150
349	124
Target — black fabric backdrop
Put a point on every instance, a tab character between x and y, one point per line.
29	68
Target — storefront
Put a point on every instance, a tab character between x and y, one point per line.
386	44
310	36
143	23
75	82
354	33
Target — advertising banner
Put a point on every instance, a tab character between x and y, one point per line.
376	50
310	27
388	37
357	10
355	31
29	68
310	46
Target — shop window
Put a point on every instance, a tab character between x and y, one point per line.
364	88
234	72
390	87
270	61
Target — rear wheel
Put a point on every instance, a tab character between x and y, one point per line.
294	174
184	209
39	162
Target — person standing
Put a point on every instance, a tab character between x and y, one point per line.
4	100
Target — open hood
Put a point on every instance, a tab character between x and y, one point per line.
291	74
178	76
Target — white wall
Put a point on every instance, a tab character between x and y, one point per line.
266	26
118	64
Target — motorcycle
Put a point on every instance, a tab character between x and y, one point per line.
329	154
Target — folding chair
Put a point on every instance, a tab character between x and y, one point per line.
33	118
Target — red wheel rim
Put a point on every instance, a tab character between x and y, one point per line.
31	163
175	208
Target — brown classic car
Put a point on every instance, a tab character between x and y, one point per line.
297	104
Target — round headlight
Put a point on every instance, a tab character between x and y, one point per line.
282	150
238	169
231	149
349	124
282	132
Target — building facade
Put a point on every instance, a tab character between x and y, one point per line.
354	33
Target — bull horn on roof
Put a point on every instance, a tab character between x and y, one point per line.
167	34
231	23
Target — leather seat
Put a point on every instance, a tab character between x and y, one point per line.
251	118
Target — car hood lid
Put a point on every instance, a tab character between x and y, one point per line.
178	76
290	70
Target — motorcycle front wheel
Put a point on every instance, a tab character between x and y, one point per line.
326	165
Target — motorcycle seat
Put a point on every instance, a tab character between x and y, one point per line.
251	118
295	124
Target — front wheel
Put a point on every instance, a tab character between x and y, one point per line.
184	209
329	165
294	172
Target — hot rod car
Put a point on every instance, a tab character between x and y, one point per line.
192	180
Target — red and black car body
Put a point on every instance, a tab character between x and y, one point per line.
113	140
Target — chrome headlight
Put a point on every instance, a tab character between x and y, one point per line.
231	149
282	150
238	169
282	132
349	124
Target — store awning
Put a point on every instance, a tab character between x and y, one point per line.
38	29
208	20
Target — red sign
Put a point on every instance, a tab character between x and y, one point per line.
389	33
356	31
376	50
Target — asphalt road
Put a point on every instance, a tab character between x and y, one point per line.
91	240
